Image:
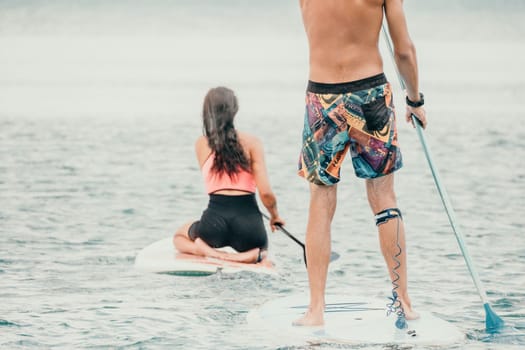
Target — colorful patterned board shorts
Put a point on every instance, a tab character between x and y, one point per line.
357	115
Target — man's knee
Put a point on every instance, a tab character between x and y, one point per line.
380	192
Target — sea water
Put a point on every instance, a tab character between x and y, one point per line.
99	110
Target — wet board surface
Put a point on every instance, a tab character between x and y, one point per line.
161	257
351	320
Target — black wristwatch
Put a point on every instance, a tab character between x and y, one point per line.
419	103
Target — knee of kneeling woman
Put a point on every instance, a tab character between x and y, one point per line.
176	239
180	237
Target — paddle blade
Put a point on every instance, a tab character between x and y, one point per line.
334	256
493	322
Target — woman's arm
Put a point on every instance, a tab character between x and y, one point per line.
262	181
202	150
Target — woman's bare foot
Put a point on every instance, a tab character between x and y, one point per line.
265	261
254	255
250	256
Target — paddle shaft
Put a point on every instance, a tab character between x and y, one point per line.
296	240
333	255
494	322
285	231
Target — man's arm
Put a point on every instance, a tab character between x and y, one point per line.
404	50
404	55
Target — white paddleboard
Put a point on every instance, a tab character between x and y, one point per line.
161	257
351	321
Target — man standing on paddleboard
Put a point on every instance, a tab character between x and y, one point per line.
349	109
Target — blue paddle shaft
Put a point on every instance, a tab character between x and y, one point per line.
450	211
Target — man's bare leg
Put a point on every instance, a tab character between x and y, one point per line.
381	196
318	241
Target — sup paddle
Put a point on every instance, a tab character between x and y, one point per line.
492	321
333	255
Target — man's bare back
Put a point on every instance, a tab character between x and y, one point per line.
343	37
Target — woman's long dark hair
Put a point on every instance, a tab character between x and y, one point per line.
219	109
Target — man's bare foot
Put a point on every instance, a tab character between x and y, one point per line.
310	319
410	314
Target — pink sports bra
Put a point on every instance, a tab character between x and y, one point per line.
242	181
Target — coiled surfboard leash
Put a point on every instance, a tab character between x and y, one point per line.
395	306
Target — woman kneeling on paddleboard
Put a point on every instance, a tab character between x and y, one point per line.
233	167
